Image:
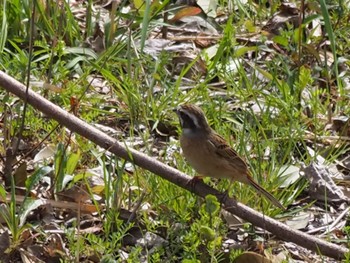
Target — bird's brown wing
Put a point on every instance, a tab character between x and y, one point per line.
225	151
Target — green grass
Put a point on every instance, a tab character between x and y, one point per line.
261	111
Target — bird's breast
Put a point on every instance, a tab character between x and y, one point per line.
200	156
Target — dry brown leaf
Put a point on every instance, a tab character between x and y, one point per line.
55	245
288	13
4	243
251	257
28	257
84	208
341	125
77	193
21	175
186	11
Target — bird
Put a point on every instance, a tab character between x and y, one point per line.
209	153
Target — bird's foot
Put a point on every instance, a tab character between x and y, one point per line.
195	180
223	197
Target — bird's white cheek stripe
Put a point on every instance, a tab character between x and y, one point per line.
194	119
181	122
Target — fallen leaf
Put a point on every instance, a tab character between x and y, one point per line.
322	185
299	221
251	257
21	175
288	174
186	11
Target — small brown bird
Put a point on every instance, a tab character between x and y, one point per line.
209	154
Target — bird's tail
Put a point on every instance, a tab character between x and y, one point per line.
269	196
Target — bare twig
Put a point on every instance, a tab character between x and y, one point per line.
231	205
333	225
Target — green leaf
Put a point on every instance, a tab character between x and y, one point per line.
243	50
212	205
281	40
28	206
289	174
4	28
2	192
36	176
60	166
330	33
80	50
207	233
145	23
72	162
140	6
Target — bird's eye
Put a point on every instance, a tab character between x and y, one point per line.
186	120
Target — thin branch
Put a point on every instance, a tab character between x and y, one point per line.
171	174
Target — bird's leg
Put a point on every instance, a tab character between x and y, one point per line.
225	195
